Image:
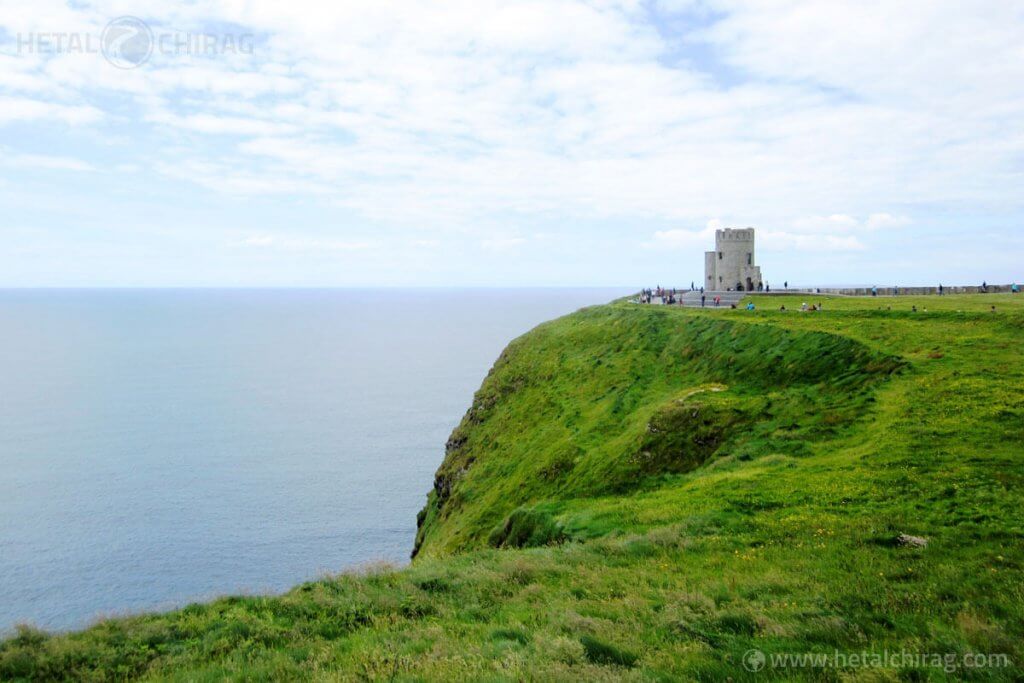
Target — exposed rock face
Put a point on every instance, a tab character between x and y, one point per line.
444	480
906	540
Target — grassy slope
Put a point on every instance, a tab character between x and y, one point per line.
721	480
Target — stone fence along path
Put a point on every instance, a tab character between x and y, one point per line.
692	298
892	291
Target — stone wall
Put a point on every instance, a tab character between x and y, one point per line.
891	291
709	269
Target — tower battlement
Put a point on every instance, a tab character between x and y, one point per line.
734	235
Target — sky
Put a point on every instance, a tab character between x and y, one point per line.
260	143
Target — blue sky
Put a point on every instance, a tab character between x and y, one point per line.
485	143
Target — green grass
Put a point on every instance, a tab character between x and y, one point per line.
647	493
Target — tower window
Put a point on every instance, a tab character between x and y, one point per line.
719	256
750	259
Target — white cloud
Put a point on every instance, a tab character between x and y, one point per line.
289	243
402	111
682	239
45	161
701	240
780	240
881	221
843	224
222	125
832	233
819	124
26	109
233	177
502	243
256	241
834	223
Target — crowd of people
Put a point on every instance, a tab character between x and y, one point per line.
675	296
804	307
667	296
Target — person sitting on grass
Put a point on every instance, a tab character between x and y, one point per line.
782	307
750	306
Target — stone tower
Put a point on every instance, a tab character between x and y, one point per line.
731	264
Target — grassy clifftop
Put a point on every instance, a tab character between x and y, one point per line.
614	398
646	493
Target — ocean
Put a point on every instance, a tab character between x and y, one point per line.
161	447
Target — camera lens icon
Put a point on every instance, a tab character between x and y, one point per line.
753	660
127	42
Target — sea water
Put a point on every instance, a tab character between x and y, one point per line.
159	447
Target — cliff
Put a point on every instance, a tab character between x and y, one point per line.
611	400
655	493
